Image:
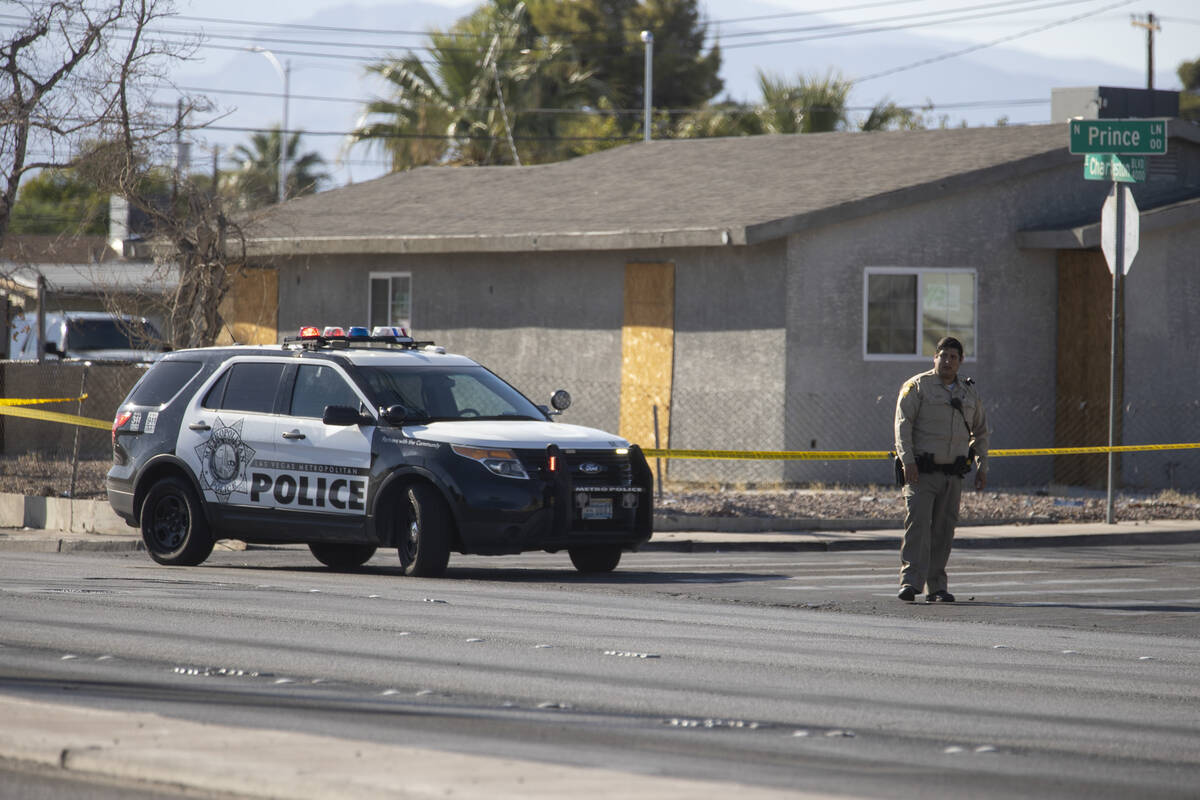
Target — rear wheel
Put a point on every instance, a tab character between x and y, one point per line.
173	525
598	558
342	556
424	545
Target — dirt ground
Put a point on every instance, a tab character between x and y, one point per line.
50	477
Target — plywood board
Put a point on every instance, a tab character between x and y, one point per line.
647	353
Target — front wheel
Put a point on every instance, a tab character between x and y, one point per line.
599	558
342	556
173	525
425	538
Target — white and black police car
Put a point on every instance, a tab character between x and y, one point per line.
348	440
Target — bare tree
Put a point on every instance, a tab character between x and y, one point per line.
78	84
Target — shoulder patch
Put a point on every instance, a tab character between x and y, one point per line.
908	387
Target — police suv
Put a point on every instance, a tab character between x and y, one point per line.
349	440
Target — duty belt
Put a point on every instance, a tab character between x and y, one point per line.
960	467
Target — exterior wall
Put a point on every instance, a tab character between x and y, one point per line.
730	324
545	321
541	321
1162	372
832	389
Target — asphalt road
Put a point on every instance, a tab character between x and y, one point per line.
1072	673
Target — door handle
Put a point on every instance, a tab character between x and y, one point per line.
293	434
199	426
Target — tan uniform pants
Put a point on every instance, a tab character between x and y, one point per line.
932	513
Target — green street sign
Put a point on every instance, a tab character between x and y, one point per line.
1109	167
1125	136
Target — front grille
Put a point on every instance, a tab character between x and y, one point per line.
586	467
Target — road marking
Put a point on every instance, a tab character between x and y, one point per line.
974	587
876	575
1133	590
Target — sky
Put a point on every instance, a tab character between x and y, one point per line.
976	61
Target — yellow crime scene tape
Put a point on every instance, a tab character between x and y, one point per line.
848	455
16	407
31	401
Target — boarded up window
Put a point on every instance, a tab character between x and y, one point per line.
647	352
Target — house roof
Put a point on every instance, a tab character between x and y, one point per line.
75	265
22	249
1087	235
695	192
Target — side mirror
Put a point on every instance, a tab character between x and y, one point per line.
399	414
345	416
561	400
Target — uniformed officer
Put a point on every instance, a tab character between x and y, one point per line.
940	425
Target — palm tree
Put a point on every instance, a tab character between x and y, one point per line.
886	115
256	182
810	105
462	108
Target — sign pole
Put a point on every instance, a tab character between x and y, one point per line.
1118	268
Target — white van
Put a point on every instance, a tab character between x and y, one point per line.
90	335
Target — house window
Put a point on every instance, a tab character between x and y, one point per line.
906	311
391	299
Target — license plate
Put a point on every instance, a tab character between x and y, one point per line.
599	508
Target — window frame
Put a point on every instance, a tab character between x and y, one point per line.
292	382
389	276
919	273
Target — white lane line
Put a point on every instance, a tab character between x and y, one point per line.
975	587
962	591
956	573
1132	590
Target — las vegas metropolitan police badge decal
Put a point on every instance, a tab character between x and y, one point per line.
223	460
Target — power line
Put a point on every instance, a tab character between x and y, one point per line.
1006	7
859	31
977	47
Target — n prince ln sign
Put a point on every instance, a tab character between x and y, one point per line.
1147	137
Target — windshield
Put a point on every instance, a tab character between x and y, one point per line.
110	334
446	393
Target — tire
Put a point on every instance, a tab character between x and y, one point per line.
342	556
599	558
424	541
174	529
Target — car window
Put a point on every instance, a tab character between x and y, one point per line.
471	395
110	334
318	386
246	387
216	392
448	393
163	381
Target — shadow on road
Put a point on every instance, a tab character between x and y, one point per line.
517	575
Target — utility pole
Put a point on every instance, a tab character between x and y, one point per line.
647	84
1150	23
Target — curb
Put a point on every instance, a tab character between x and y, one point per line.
39	542
60	514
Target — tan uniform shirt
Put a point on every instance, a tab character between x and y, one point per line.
926	422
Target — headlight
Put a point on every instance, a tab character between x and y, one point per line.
499	462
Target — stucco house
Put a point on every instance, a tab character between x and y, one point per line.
773	292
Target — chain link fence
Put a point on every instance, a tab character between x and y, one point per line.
746	418
85	389
761	419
